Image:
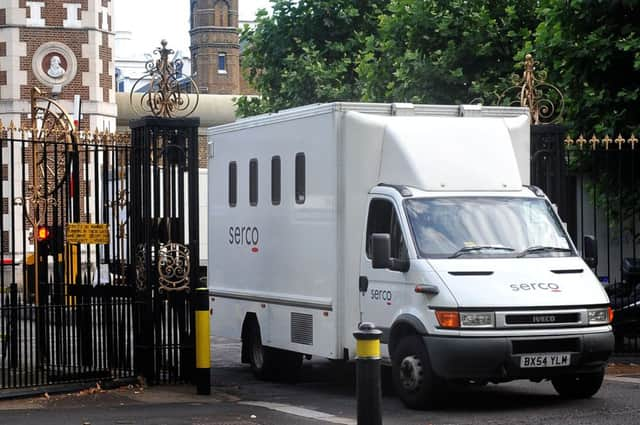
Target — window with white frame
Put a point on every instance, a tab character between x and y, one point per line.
222	63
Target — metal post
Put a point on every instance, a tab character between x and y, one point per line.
203	359
368	386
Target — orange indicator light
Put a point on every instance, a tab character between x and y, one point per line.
448	319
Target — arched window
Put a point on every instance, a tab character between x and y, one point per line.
221	13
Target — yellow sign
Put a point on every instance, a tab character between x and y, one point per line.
88	233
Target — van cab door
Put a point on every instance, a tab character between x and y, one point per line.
382	291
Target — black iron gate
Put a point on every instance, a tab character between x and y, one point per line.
99	251
67	303
594	184
164	183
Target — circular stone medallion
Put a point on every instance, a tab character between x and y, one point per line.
54	63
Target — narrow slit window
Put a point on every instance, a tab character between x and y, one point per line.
300	178
233	184
275	180
253	182
222	63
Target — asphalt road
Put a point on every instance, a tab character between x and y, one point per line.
329	388
325	394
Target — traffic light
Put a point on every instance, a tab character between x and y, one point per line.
43	239
50	239
43	233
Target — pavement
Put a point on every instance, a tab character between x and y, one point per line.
179	404
135	404
617	368
624	371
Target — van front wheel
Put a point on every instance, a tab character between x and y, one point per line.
413	379
578	386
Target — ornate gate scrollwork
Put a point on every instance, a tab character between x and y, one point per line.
174	267
53	132
54	129
141	273
165	87
544	100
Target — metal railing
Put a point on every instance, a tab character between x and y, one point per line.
66	306
604	189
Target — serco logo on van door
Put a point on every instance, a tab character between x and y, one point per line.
244	236
542	286
382	295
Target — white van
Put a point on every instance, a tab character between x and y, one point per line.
415	217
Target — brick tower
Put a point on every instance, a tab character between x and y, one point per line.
215	46
64	47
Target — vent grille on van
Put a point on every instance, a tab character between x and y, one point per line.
302	328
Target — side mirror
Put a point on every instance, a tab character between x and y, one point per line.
381	250
590	251
381	254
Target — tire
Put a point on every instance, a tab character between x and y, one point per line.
269	363
261	359
413	378
578	386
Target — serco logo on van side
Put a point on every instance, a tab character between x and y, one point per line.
542	286
244	236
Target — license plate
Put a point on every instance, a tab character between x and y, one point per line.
545	360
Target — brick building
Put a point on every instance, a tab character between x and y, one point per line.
65	48
215	47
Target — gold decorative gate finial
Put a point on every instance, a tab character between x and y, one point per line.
544	100
166	91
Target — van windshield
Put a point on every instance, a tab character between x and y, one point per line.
486	226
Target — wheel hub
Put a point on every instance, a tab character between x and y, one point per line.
411	373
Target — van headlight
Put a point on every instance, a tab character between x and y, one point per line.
449	319
477	319
600	316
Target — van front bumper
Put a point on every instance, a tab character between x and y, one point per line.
498	358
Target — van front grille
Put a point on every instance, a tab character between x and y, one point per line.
302	328
542	319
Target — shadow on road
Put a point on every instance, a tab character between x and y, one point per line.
336	380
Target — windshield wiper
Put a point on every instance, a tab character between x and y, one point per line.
539	248
467	249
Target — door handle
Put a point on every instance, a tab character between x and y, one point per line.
427	289
363	284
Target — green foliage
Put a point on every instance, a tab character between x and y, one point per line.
306	52
591	50
445	51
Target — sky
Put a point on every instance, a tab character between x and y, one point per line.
152	20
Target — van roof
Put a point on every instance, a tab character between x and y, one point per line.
388	109
450	154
